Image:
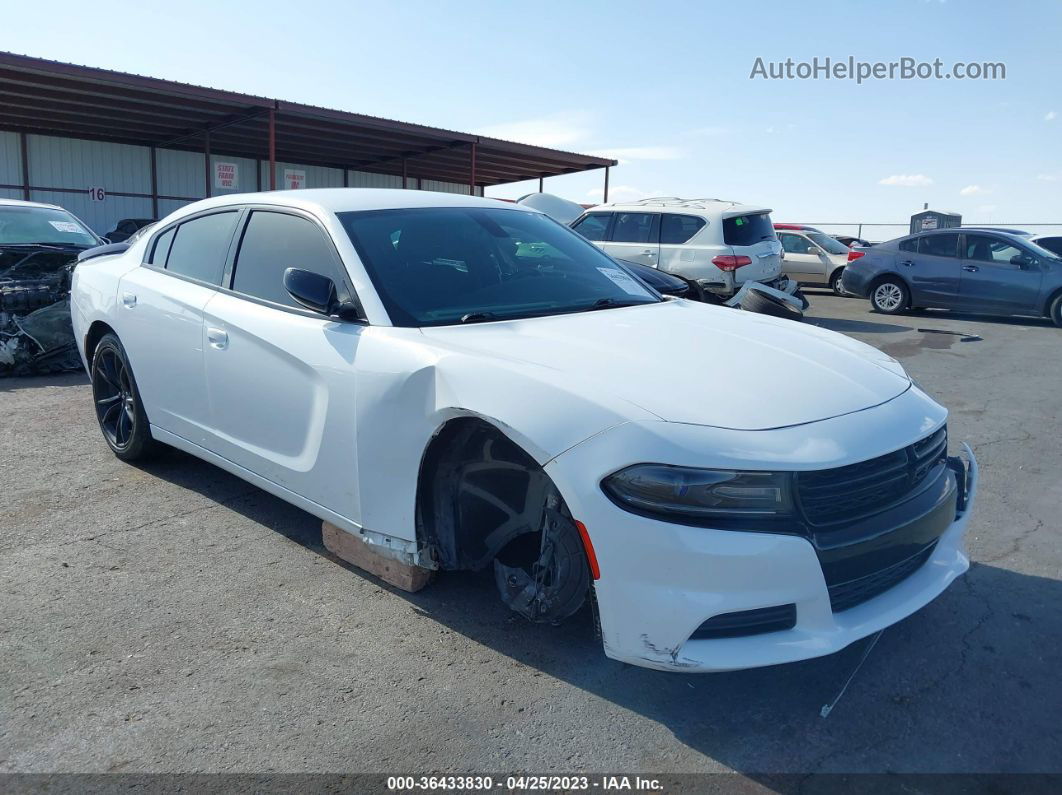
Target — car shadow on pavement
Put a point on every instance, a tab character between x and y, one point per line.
73	378
855	326
967	684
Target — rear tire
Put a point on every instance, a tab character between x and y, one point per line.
119	409
764	304
890	297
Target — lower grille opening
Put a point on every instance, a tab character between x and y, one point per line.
846	595
747	622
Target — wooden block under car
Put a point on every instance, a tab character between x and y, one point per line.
353	550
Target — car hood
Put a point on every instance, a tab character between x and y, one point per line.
694	363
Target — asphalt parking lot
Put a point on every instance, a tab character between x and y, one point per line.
171	617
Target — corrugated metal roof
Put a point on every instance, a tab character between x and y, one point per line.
51	97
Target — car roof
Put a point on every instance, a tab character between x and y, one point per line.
20	203
673	204
338	200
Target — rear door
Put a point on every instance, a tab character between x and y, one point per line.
161	315
932	268
281	378
594	227
802	260
636	237
679	250
998	275
752	235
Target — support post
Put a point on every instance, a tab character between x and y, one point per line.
472	173
405	173
25	166
206	159
154	183
258	174
540	183
272	149
605	198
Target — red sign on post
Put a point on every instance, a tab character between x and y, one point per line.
294	178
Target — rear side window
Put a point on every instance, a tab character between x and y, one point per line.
633	228
594	226
939	245
201	246
677	229
162	248
747	230
274	242
910	244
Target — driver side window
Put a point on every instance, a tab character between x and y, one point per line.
985	248
795	244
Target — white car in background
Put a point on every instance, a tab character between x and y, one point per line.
718	244
813	258
464	384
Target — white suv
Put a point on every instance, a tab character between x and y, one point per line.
718	244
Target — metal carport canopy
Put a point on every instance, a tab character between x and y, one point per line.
39	96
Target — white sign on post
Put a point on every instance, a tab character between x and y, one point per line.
294	178
226	175
97	194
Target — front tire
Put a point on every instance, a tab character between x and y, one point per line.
835	283
890	297
119	409
1055	311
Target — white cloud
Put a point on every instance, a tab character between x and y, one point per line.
1051	116
628	154
558	130
907	180
974	190
1050	177
621	193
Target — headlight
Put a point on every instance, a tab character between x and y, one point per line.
674	493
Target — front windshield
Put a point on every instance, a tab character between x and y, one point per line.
443	265
831	245
23	226
1040	251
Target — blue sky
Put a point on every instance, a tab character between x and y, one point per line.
662	86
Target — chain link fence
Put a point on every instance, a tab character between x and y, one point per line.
878	233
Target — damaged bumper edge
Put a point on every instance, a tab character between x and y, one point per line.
651	603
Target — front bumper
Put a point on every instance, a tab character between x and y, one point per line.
661	581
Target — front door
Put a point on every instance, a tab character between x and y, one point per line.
998	275
802	259
280	378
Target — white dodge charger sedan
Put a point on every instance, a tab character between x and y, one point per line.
466	384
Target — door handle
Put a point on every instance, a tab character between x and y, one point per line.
649	252
217	338
907	263
970	268
129	300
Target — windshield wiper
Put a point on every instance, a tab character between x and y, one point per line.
612	303
478	317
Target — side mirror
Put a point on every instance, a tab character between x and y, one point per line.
1021	260
318	294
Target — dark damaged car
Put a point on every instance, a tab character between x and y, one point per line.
39	245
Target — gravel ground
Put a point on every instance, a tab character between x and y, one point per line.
171	617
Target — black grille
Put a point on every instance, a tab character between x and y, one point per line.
849	492
849	594
747	622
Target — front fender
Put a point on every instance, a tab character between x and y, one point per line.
408	389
